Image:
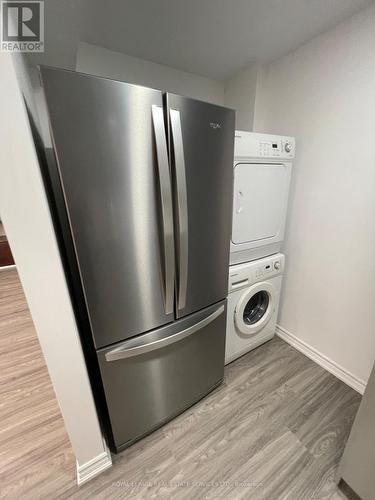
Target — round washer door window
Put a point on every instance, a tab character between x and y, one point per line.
255	308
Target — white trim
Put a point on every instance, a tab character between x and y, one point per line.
6	268
322	360
93	467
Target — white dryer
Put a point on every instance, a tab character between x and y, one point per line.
253	302
262	173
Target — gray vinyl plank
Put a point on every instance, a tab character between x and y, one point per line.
274	430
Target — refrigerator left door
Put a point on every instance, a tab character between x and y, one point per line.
110	146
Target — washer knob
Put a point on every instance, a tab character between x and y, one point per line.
288	147
277	265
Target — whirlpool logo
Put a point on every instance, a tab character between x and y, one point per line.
214	125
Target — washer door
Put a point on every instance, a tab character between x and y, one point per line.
255	308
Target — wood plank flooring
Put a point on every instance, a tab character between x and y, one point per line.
34	446
274	430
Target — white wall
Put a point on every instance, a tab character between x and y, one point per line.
118	66
26	217
62	27
239	94
324	94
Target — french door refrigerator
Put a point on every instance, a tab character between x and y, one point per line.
140	185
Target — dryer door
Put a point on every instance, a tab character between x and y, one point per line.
260	203
255	308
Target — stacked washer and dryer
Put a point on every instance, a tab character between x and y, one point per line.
262	173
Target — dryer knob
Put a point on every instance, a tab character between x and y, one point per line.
288	147
277	265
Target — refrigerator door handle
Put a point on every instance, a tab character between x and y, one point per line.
179	160
128	349
166	204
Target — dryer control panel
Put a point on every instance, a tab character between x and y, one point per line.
252	145
267	148
277	147
242	275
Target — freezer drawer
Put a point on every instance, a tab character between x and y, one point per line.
153	377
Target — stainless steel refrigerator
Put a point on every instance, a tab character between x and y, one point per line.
140	186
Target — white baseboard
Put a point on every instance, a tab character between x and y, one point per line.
93	467
6	268
322	360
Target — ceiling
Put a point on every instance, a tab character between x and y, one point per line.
213	38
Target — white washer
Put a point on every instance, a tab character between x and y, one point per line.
262	172
253	302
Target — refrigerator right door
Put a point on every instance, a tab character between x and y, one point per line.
201	141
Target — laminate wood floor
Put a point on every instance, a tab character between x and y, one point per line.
274	430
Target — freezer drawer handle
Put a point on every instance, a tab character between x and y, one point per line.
166	205
179	160
122	352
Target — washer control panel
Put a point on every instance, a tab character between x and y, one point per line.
244	275
271	267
